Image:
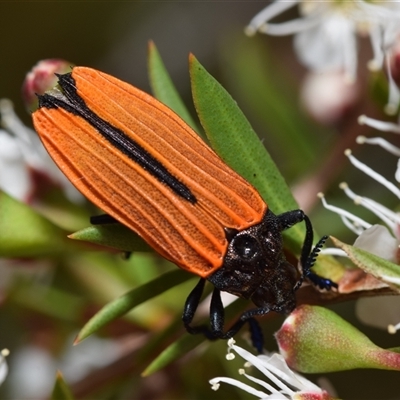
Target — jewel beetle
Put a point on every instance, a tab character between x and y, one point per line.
145	168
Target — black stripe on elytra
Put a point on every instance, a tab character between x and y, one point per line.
71	102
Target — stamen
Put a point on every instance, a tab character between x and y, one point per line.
353	226
264	384
5	353
389	217
343	213
333	251
289	27
394	92
392	329
397	173
229	355
216	381
267	14
380	125
374	175
275	375
389	147
375	36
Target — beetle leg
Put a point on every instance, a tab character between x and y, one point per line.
257	338
308	256
290	218
217	315
307	245
103	219
191	304
322	283
217	318
256	335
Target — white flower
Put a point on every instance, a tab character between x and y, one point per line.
284	383
326	33
377	239
383	239
21	153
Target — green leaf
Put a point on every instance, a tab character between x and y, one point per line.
131	299
188	342
25	233
173	352
61	390
382	269
48	300
116	236
233	138
163	87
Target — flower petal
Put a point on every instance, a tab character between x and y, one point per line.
379	241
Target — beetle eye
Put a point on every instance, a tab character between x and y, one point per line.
246	247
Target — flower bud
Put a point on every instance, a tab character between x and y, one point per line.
315	339
42	78
328	97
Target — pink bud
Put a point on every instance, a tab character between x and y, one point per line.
315	339
328	97
42	78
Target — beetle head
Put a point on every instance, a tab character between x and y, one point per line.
255	267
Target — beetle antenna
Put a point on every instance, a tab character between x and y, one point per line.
317	280
314	254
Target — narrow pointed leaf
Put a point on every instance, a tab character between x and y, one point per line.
173	352
382	269
188	342
163	87
116	236
131	299
233	138
25	233
61	391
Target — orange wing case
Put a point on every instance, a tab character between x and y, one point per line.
191	232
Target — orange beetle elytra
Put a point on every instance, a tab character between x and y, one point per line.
140	163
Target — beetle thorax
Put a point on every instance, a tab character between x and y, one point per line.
255	267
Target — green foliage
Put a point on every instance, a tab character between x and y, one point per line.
61	391
382	269
25	233
123	304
